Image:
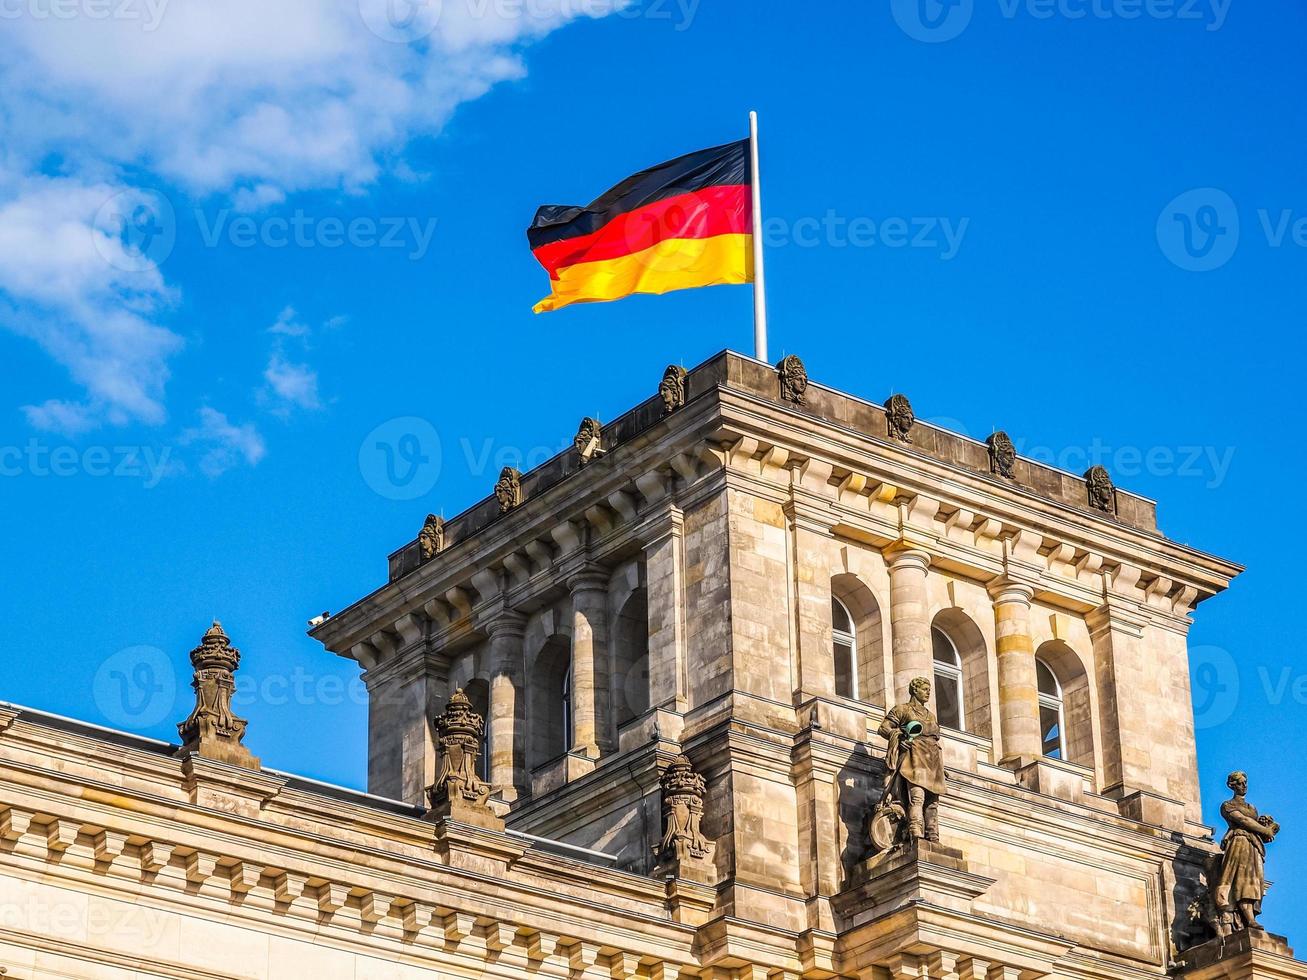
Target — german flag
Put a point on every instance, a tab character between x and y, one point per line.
681	224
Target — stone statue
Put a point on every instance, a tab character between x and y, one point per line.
1239	882
672	387
794	379
508	491
212	730
909	807
431	539
683	793
589	440
459	731
1002	455
1102	494
899	418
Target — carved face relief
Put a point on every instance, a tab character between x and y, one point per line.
672	388
431	539
794	379
1002	455
920	689
1102	494
589	440
899	418
508	491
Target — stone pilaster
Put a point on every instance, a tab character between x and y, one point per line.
909	612
1018	686
810	533
404	693
591	717
664	559
507	707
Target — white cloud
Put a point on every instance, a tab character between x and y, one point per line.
292	384
86	298
224	444
246	99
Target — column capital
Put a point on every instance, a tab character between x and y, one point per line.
1112	616
1007	589
906	554
504	622
588	578
661	526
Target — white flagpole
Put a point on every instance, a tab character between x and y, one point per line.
759	282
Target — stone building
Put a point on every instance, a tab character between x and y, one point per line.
623	719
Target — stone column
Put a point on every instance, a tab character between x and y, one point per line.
909	613
591	717
507	707
1018	686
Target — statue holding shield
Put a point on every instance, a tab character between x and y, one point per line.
914	782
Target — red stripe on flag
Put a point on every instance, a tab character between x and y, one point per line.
722	210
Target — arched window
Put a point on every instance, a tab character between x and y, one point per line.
845	639
1052	717
550	719
630	678
950	708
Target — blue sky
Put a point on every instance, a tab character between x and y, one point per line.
1078	220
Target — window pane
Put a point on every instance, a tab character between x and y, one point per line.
948	707
943	647
840	616
1047	682
844	671
1051	727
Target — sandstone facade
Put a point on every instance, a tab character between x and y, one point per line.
667	595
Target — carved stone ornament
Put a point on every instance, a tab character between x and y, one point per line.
672	387
431	539
460	731
1002	455
683	793
899	418
508	491
1102	494
794	379
212	730
589	440
908	810
1236	878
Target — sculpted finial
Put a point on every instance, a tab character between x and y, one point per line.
212	730
459	791
684	849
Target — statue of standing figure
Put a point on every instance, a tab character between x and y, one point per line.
1238	886
915	777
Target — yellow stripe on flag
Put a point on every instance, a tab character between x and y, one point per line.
678	263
